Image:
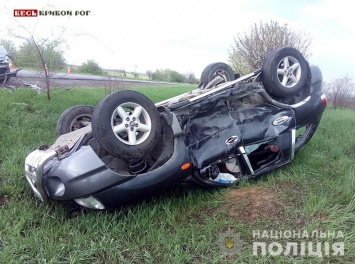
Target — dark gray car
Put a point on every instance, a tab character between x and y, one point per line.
5	66
231	127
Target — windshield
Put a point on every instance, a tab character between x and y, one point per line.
3	52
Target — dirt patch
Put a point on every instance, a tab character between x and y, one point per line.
251	204
4	199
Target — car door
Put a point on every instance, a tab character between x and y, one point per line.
267	131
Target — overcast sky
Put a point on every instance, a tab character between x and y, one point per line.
186	35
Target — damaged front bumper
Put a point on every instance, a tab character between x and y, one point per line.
36	160
34	165
70	170
34	171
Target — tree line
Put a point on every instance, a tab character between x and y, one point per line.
52	51
247	54
28	54
168	75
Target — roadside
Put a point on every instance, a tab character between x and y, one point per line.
34	80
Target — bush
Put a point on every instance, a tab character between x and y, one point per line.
168	76
27	55
91	67
250	49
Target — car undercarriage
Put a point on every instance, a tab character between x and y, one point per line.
232	127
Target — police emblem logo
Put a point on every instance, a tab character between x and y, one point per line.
229	243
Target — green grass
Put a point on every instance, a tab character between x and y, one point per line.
316	192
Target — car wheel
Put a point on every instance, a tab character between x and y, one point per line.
74	118
126	124
285	72
219	72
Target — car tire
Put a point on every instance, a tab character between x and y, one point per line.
74	118
126	124
285	72
216	69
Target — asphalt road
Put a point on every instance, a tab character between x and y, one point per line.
81	80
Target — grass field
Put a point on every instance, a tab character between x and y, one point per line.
315	192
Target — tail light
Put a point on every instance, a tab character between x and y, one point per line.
324	100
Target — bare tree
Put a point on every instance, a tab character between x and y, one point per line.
339	91
51	50
45	69
251	48
45	56
113	84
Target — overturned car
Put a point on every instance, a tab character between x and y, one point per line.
127	148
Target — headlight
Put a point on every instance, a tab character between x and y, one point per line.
90	202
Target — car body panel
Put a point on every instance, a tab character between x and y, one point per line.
79	175
240	124
150	183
